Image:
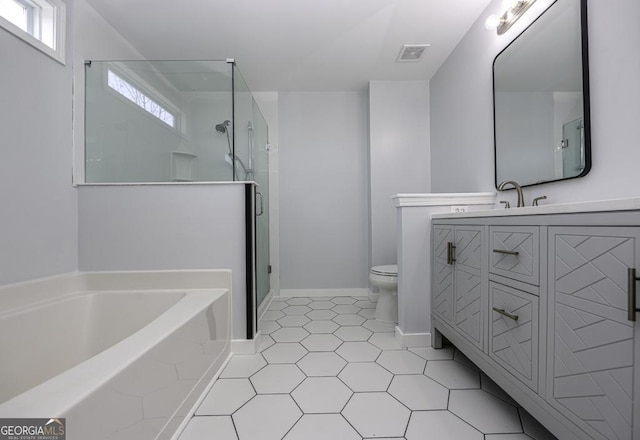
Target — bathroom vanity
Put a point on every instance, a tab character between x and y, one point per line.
542	299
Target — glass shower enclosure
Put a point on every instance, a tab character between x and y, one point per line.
176	122
252	142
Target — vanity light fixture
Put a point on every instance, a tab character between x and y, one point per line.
513	10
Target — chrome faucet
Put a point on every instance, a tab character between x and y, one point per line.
518	190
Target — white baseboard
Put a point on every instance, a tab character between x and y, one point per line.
409	340
264	306
246	346
289	293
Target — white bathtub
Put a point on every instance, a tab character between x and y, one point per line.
119	355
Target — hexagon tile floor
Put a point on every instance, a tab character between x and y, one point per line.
328	370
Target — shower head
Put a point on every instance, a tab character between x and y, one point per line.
222	127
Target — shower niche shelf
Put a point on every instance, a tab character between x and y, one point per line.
183	166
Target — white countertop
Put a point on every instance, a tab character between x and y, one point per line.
628	204
444	199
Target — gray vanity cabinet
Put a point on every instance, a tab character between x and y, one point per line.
458	287
591	339
547	316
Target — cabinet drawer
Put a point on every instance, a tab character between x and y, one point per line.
513	332
515	253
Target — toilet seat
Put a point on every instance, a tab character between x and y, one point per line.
389	270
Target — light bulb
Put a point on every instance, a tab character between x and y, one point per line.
510	4
493	21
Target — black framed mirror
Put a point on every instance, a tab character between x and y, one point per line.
542	126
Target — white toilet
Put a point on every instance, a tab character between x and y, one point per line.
385	278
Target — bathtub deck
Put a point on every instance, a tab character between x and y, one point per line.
328	370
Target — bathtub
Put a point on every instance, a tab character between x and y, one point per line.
120	355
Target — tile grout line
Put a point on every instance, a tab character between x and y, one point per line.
382	360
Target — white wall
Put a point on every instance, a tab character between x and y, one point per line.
166	227
38	225
461	109
398	156
323	190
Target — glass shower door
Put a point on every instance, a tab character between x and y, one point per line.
260	136
251	164
573	161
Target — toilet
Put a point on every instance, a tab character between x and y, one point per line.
385	278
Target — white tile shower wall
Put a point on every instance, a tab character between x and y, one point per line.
398	156
95	39
323	190
166	227
461	108
38	236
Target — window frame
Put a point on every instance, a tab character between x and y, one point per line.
53	19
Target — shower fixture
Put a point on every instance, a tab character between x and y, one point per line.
233	160
222	127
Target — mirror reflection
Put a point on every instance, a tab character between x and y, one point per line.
542	127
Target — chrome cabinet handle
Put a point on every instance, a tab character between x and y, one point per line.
502	251
258	193
507	314
451	253
631	291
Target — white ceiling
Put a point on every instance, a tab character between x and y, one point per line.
298	44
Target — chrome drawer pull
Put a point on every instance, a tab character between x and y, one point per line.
502	251
507	314
631	291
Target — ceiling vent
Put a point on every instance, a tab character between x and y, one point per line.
412	52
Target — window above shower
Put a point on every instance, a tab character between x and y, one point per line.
133	93
170	121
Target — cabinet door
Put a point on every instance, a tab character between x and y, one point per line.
442	283
590	361
513	332
469	248
468	317
442	235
